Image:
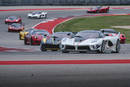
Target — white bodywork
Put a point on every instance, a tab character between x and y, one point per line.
70	44
37	15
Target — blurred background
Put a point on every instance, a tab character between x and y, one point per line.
63	2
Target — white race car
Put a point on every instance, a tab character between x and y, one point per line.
37	14
91	40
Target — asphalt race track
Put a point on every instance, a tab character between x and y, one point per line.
58	75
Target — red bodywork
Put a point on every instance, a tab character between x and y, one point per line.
18	20
122	39
35	39
99	10
11	28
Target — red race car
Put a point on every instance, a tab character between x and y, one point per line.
15	27
122	38
13	19
111	32
37	37
99	9
34	37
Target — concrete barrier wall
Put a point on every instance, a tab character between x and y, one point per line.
64	2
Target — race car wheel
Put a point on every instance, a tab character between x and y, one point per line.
29	17
20	37
8	30
82	51
117	46
45	15
42	48
25	41
102	48
97	11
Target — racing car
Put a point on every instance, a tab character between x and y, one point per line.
112	32
23	33
99	9
91	40
13	19
37	37
15	27
34	37
53	42
37	14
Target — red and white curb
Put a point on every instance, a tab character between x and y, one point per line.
51	19
37	62
5	49
49	25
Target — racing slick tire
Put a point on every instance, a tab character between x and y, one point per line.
6	23
45	16
42	48
117	47
20	37
82	51
29	17
102	47
97	11
25	41
9	31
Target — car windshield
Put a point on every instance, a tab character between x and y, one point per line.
16	25
87	35
12	17
41	33
60	34
96	8
36	12
109	31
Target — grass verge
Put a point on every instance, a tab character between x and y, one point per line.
96	23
